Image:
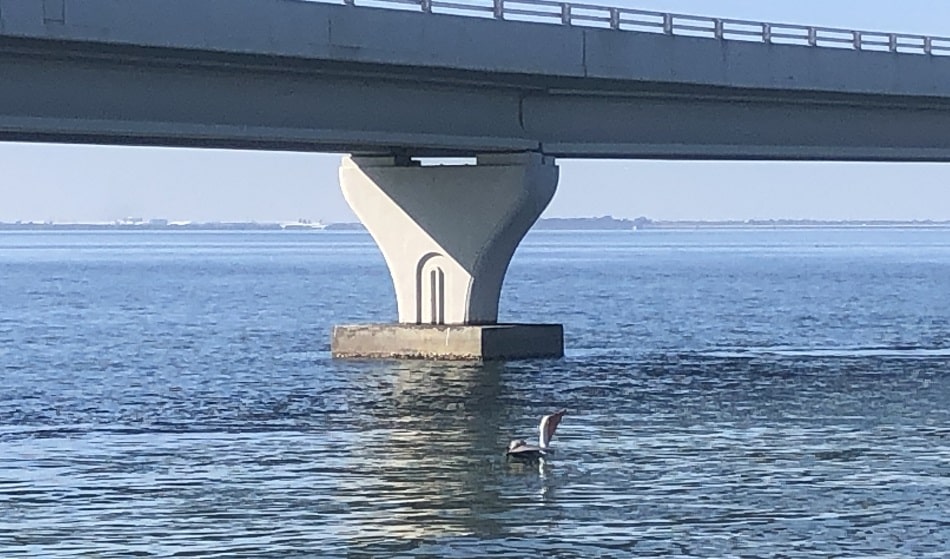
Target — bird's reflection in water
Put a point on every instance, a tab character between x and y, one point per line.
544	473
428	451
539	473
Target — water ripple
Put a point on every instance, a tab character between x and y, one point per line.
181	403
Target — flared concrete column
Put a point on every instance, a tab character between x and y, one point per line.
447	234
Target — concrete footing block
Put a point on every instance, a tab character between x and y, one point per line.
448	342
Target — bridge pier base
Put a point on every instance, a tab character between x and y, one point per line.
447	234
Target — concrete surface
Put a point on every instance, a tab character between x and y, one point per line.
291	75
365	35
448	232
441	342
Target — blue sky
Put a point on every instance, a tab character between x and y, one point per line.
68	183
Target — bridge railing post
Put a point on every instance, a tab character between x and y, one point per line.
349	2
614	18
928	45
565	13
892	42
426	6
667	24
499	9
766	33
717	28
812	37
856	40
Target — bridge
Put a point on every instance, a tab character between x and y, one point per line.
513	84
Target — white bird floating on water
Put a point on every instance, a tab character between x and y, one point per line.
521	450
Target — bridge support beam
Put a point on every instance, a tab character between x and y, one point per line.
447	234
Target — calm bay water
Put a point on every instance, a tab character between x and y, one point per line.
730	394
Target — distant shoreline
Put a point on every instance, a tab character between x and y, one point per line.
646	224
548	224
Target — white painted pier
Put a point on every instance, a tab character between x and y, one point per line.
447	233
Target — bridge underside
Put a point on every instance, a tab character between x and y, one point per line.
122	95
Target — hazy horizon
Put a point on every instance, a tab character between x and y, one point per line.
172	221
104	183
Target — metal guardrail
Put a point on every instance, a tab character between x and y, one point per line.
629	19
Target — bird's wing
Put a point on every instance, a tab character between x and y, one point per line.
549	424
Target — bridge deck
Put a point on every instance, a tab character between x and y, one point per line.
285	74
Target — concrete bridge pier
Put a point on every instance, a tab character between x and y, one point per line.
447	234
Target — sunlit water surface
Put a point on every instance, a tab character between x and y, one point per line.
729	394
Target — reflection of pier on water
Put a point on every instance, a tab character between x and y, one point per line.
431	450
